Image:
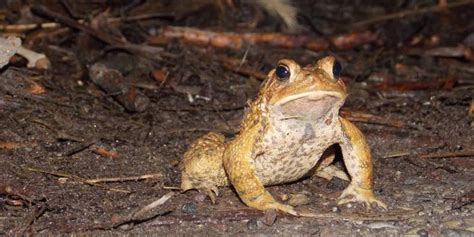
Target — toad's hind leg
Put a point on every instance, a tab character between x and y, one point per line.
326	170
202	168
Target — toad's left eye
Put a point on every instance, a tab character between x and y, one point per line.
283	72
336	68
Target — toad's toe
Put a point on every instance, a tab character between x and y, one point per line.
357	194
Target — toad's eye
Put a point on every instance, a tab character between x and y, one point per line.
282	72
336	68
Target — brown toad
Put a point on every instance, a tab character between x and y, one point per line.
283	135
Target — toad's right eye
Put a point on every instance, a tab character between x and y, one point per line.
336	68
282	72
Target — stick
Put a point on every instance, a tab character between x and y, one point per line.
152	205
146	51
447	154
135	216
42	10
82	146
52	25
81	180
124	179
406	13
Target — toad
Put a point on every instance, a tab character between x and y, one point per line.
284	136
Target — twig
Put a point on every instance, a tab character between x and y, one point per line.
30	219
137	216
80	147
124	179
152	205
396	154
455	154
42	10
146	51
234	40
411	12
37	213
237	40
142	17
81	180
52	25
25	27
35	60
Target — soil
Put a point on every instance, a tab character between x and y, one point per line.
52	142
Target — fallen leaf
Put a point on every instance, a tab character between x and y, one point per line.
35	88
9	145
160	75
106	153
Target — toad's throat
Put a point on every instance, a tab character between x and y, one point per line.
309	106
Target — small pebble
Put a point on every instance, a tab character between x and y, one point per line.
381	225
409	181
189	208
422	233
398	174
125	227
298	199
336	184
115	217
252	224
62	180
270	217
221	227
200	197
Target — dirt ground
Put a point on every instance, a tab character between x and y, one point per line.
410	92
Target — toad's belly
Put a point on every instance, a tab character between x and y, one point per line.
286	155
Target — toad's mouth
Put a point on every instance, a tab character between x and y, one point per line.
310	105
310	96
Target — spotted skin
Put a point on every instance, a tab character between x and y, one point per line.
284	136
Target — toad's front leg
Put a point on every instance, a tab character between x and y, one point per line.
241	173
358	161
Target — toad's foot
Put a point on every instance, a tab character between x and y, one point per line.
358	194
331	171
209	190
281	207
290	210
